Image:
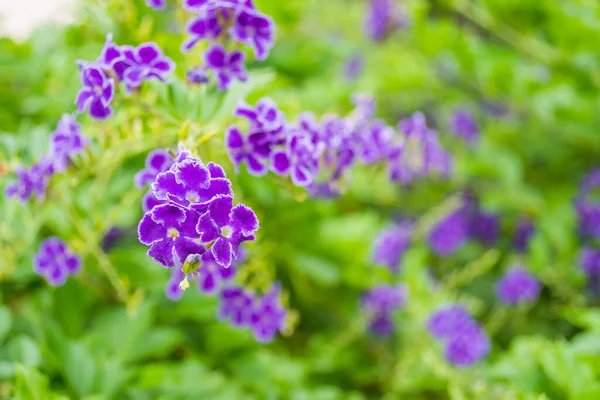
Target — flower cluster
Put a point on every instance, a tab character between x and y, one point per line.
391	243
197	215
55	262
264	315
379	303
66	142
226	24
522	235
463	125
465	341
128	64
466	222
318	154
383	18
517	286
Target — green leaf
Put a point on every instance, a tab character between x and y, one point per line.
5	323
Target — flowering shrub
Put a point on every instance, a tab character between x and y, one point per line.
306	200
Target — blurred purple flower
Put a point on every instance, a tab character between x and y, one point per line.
96	94
250	149
157	161
171	233
172	289
484	227
268	316
450	233
208	25
379	303
211	275
30	181
467	348
375	142
449	321
354	67
157	4
226	66
517	286
55	262
111	238
391	244
589	261
588	207
146	61
236	306
523	234
382	18
463	125
255	30
66	142
197	76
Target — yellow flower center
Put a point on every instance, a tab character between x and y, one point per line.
173	233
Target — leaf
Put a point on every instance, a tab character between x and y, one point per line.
5	323
30	384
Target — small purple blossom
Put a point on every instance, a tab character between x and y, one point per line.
354	67
517	286
391	244
589	261
97	92
375	142
111	238
197	76
250	149
264	117
382	18
268	316
172	289
379	303
207	25
463	125
171	233
55	262
66	142
236	306
226	66
466	343
227	226
523	234
157	4
467	348
449	321
211	275
255	30
146	61
157	161
450	233
30	181
484	227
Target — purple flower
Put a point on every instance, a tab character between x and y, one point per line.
522	235
420	153
212	275
149	201
191	183
265	117
250	149
66	142
200	6
588	209
449	321
450	233
268	316
517	286
111	59
146	61
157	4
97	92
227	227
464	125
467	348
172	289
338	143
208	25
379	303
226	66
301	159
354	67
255	30
111	238
375	142
171	233
55	262
391	244
382	18
31	181
484	227
197	76
157	161
589	261
236	306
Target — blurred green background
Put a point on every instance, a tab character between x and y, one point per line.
111	333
